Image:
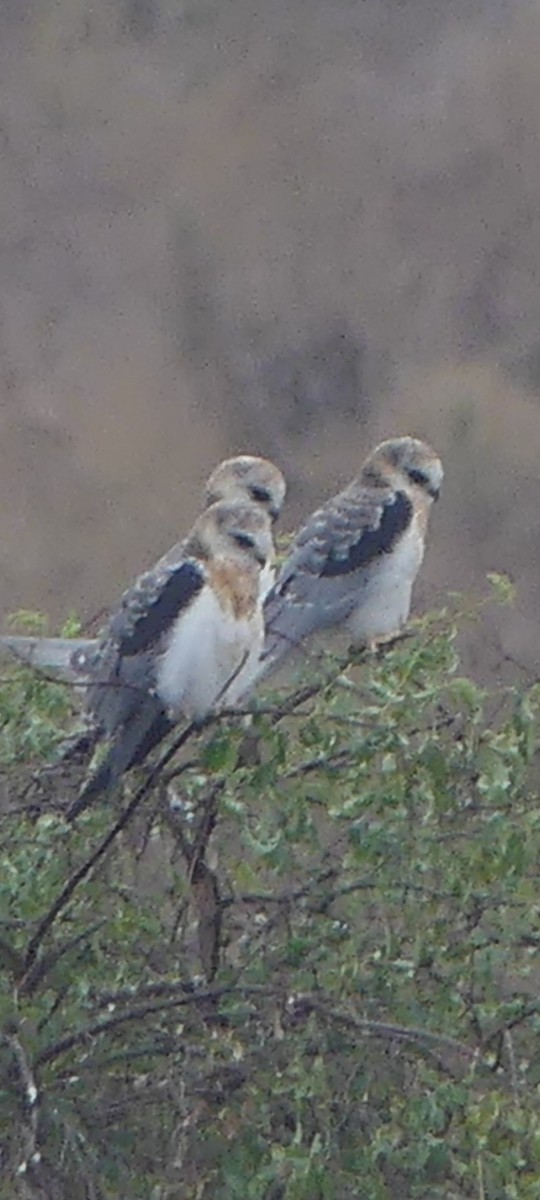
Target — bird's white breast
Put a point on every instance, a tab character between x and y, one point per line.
385	601
267	580
206	647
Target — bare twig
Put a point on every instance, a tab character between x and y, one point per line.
142	1013
497	1035
148	991
383	1029
87	866
206	826
514	1077
286	897
41	968
89	863
298	1007
30	1102
174	822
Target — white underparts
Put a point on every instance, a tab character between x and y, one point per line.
206	649
386	600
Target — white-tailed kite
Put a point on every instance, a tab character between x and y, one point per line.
355	560
186	639
245	477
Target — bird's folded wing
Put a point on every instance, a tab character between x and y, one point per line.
323	577
125	666
350	532
150	607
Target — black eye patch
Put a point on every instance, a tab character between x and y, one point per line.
260	494
245	540
418	477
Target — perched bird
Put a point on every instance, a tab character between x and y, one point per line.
355	560
185	640
246	477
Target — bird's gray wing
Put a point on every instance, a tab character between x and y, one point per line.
321	581
124	668
148	608
122	699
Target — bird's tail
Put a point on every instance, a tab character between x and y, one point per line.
285	632
66	657
130	745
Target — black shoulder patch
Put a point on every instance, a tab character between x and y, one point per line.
178	590
371	543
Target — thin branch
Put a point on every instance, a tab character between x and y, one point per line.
321	762
56	679
144	1011
173	820
298	1006
157	1050
30	1102
89	863
87	866
148	991
206	826
287	897
32	978
384	1029
528	1010
514	1077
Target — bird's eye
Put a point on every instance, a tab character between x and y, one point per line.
418	477
261	495
245	540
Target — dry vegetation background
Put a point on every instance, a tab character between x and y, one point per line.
287	228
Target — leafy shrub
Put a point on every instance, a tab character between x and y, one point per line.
298	964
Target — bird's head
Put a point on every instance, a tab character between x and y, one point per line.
235	530
405	463
248	478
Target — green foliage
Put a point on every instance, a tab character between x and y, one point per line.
33	710
313	978
32	714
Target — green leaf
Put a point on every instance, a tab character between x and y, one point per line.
504	590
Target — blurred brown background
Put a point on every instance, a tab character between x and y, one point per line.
288	228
